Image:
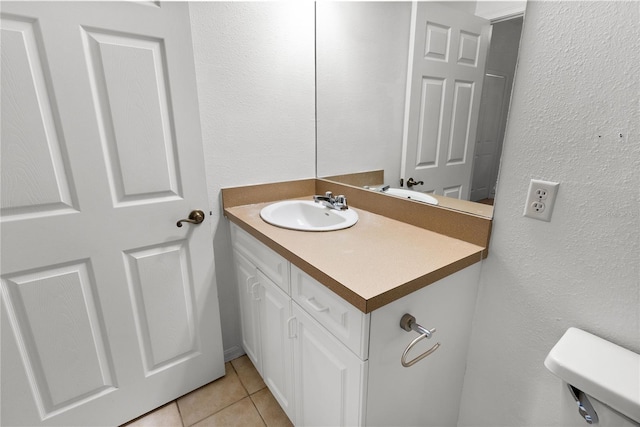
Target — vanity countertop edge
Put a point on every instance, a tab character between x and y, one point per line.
371	264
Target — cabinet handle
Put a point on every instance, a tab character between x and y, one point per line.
314	304
255	291
249	279
292	334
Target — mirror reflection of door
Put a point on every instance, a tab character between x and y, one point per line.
443	98
494	107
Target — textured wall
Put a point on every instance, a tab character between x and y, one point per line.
255	74
576	87
362	50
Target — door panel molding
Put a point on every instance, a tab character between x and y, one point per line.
64	369
159	282
31	132
134	114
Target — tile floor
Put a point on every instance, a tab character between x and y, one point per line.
240	398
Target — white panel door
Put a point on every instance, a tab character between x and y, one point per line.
448	53
108	308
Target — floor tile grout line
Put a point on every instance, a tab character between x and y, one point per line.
221	409
179	413
249	394
242	382
245	388
239	377
258	410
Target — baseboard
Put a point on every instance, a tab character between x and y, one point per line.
233	353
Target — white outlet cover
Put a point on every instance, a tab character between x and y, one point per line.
541	192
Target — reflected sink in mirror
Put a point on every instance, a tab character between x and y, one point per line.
305	215
413	195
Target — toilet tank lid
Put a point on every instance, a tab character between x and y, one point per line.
601	369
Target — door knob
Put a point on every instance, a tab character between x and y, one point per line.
411	182
195	217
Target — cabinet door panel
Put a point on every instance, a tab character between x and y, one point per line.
343	320
277	358
329	378
247	276
269	262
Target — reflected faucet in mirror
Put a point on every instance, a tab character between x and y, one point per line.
367	88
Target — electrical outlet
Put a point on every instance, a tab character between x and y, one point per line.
541	193
540	199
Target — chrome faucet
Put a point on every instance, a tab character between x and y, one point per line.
338	202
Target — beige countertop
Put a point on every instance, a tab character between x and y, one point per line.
371	264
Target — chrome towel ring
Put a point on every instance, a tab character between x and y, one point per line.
408	323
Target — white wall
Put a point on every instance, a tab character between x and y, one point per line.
576	87
361	76
255	75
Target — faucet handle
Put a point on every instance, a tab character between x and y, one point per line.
341	202
328	194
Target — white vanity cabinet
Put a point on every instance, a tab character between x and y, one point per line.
314	376
274	313
330	339
329	378
247	277
328	363
265	309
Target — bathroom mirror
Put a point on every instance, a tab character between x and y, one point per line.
362	63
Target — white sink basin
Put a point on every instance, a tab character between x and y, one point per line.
305	215
413	195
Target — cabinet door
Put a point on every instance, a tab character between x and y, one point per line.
247	275
277	357
329	379
344	321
